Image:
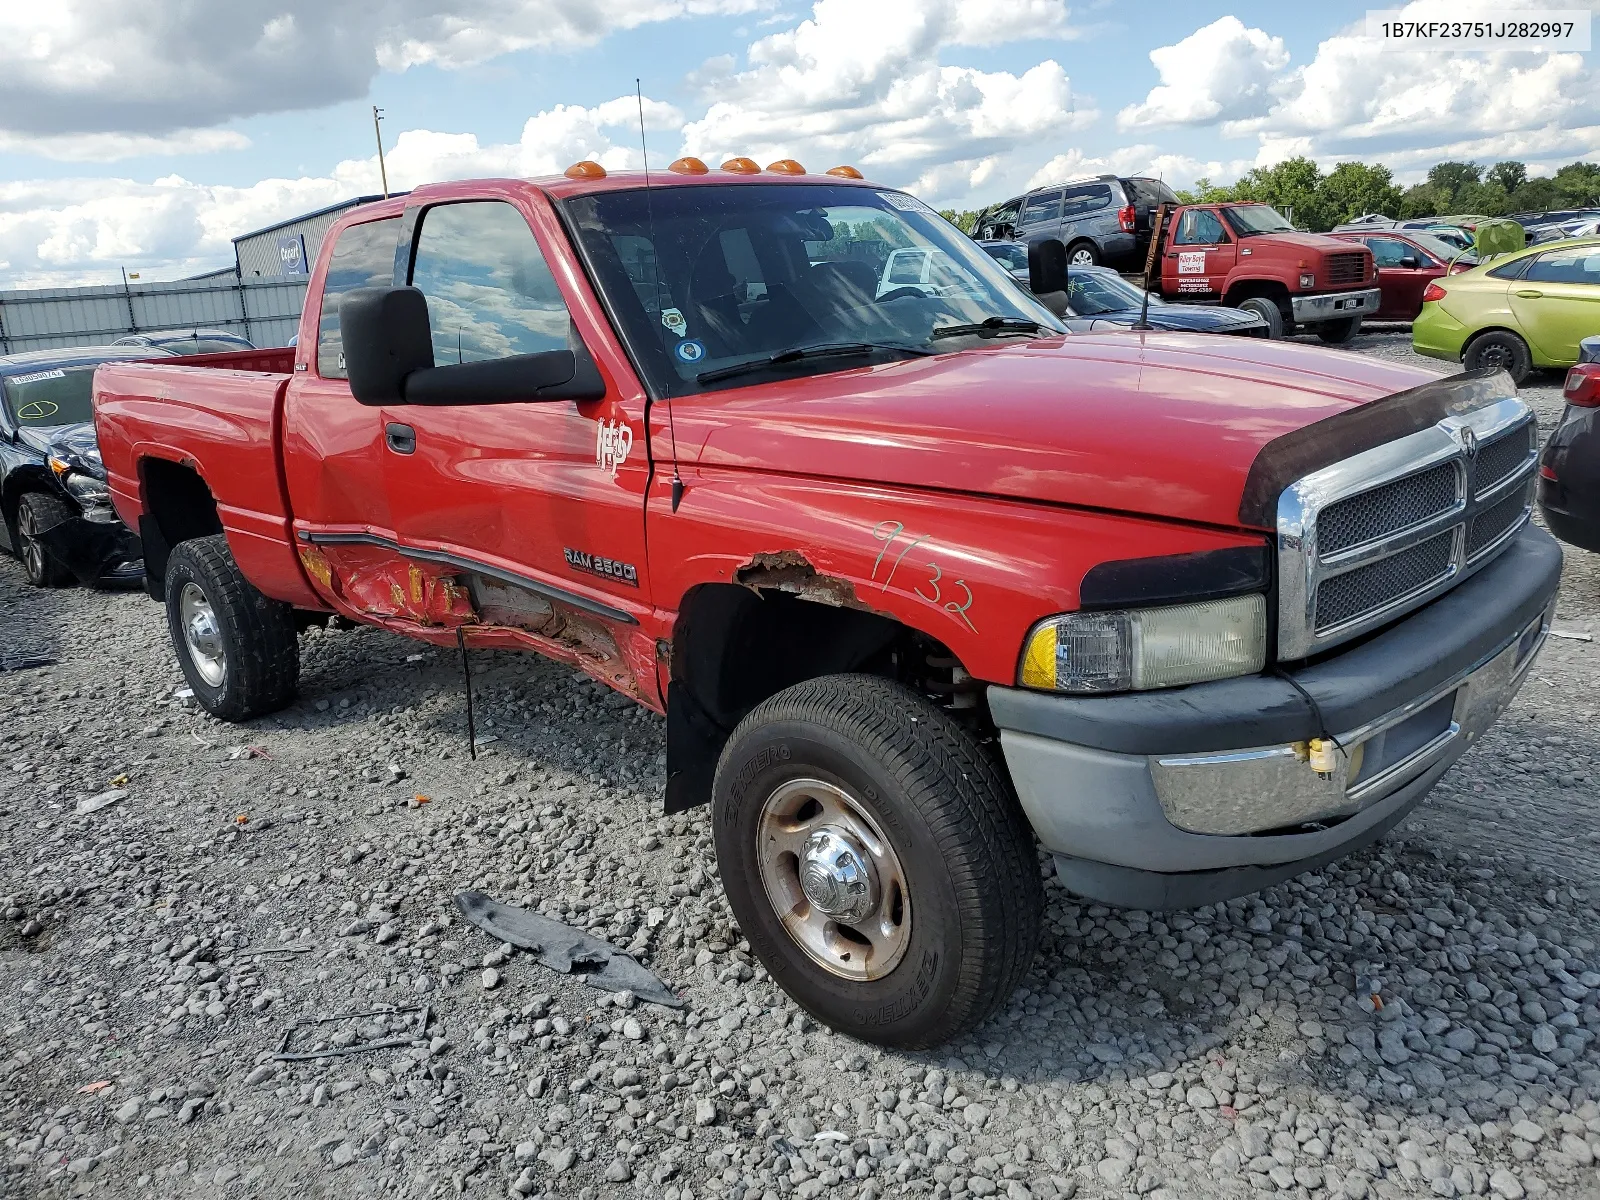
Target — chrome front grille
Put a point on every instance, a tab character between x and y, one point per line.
1373	537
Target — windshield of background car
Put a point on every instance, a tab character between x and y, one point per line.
705	277
51	396
202	346
1091	293
1013	257
1247	219
1443	250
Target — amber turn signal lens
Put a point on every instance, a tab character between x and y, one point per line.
587	169
786	166
688	166
742	166
845	172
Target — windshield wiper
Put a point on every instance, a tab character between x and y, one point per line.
992	326
798	353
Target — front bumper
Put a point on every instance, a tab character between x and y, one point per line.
1184	797
1334	306
95	551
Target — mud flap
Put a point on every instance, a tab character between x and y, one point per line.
694	743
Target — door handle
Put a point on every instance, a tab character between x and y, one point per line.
1528	294
402	439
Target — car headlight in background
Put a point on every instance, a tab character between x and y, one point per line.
1137	649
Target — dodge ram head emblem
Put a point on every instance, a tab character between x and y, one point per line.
613	440
1469	442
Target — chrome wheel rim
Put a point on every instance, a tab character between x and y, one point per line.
201	635
32	550
834	880
1082	258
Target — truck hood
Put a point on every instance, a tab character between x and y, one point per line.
1159	424
1314	243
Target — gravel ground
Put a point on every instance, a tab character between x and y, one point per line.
1419	1019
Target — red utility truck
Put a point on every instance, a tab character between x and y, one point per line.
920	581
1248	256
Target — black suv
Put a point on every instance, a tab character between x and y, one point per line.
1106	219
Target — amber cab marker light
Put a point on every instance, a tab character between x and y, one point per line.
586	169
742	166
786	166
688	166
845	172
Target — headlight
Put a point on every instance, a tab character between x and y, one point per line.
1308	281
1141	648
87	488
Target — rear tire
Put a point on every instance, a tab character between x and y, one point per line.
1499	348
37	512
1267	309
1337	333
1083	254
951	895
237	648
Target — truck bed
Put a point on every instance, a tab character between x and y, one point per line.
218	416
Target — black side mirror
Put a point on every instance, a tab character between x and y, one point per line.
1047	266
385	337
388	354
1409	261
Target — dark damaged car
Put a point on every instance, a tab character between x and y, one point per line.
57	513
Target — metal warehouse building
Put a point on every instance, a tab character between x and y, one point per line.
288	248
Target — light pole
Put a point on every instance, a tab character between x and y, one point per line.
377	132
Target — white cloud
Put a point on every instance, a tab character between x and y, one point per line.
865	84
1221	71
163	66
112	147
1176	170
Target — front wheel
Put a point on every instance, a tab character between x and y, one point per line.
1337	333
877	860
36	513
1267	309
237	648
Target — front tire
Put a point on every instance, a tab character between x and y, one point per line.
237	648
877	860
1499	348
1337	333
1267	309
36	513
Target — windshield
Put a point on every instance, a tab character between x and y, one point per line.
1091	293
1011	256
1248	219
705	277
1441	249
57	396
202	345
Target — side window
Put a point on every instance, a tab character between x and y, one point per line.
1045	206
1080	200
1199	227
1512	269
490	293
1387	252
1581	265
362	257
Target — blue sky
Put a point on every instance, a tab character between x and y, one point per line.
134	135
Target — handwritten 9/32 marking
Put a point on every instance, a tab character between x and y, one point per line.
889	532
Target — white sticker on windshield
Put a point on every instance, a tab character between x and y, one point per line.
672	318
902	201
36	376
1192	263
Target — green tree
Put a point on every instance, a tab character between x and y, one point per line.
962	219
1579	183
1291	186
1422	200
1449	179
1509	175
1204	192
1353	189
1537	195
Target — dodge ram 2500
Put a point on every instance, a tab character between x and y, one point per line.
920	582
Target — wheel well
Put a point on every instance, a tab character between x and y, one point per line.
734	646
1478	333
1249	288
178	507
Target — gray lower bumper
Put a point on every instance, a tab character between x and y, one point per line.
1135	826
1335	306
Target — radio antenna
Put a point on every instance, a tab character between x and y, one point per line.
1158	219
655	278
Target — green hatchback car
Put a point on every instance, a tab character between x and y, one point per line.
1529	309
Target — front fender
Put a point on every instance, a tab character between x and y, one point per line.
973	572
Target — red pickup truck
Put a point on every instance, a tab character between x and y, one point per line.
921	582
1248	256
